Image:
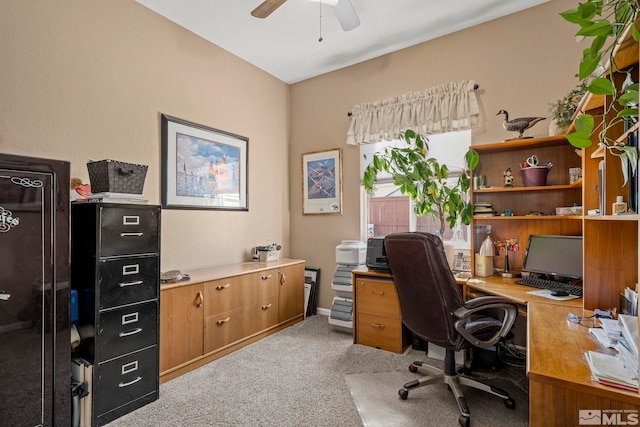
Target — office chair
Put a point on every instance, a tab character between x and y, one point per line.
432	307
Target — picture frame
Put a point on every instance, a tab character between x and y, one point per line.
203	167
312	278
322	182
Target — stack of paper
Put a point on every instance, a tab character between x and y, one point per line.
610	370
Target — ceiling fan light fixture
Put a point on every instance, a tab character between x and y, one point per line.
329	2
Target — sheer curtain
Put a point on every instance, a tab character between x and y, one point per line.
447	108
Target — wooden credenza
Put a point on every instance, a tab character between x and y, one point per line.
378	321
222	309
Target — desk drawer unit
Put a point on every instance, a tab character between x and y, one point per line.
116	251
378	317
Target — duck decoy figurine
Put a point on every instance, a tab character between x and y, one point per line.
518	125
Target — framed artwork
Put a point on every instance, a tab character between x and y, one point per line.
322	182
311	278
202	167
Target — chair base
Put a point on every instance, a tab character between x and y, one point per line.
454	381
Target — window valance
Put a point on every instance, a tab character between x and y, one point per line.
447	108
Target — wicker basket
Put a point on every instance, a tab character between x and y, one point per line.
116	177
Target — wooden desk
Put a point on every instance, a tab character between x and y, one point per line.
506	288
560	382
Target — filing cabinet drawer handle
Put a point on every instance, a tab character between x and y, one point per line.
266	277
125	284
266	307
131	234
377	325
130	382
221	287
132	332
223	321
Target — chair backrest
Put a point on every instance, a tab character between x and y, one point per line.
427	290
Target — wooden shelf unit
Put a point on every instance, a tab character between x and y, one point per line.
533	208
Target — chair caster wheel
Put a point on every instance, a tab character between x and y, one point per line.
510	403
413	368
464	421
403	393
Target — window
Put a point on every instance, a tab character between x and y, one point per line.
389	211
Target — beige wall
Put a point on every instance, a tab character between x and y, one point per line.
522	63
88	79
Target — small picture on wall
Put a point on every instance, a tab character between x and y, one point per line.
322	182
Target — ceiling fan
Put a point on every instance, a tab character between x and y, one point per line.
344	10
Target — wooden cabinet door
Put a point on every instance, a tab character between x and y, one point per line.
291	292
181	324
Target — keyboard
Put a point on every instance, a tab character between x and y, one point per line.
551	285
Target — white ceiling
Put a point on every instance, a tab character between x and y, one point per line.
286	45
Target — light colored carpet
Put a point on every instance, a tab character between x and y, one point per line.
376	396
296	377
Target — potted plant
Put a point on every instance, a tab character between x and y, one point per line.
424	179
606	23
563	109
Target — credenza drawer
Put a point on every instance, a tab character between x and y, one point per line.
126	329
380	332
377	297
125	379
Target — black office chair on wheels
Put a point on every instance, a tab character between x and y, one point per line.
432	307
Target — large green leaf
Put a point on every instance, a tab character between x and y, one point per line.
600	27
602	86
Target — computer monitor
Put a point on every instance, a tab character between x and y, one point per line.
558	256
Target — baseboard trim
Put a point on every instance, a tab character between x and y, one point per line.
323	311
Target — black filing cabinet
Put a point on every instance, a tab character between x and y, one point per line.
115	266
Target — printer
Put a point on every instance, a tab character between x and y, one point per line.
376	255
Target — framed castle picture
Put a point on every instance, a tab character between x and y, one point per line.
202	167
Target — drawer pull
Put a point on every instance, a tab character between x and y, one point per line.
132	332
377	325
266	307
130	382
223	321
267	277
130	220
199	299
221	287
125	284
131	234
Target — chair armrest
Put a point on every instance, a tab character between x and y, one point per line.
478	305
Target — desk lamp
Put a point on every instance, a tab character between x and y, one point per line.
507	245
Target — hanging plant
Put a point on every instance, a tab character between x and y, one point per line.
606	24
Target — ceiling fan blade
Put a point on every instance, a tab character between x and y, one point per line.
266	8
346	15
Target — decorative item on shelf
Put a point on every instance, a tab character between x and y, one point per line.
507	245
116	177
574	174
532	173
563	110
508	178
518	125
484	258
619	207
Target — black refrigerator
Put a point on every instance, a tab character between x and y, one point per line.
35	367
